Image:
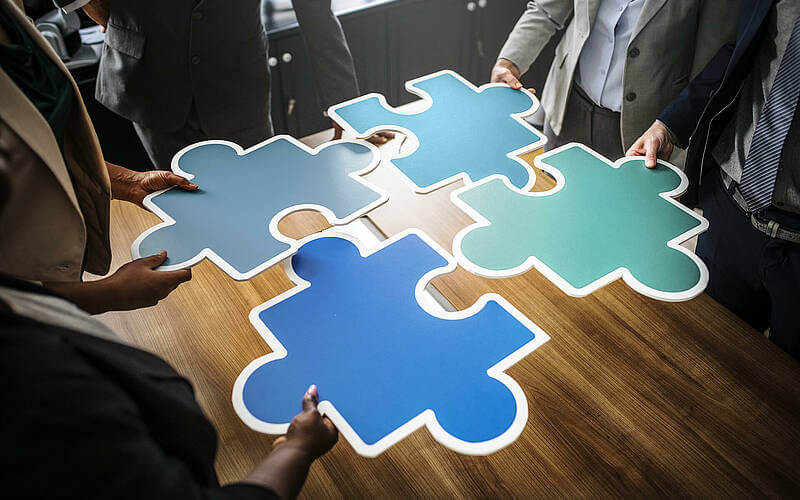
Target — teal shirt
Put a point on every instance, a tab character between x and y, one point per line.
39	78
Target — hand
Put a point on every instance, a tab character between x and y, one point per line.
134	285
138	284
377	139
655	143
99	12
133	186
507	72
309	431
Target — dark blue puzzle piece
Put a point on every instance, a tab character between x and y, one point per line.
359	333
465	130
233	218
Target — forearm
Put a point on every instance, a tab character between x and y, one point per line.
283	471
93	297
120	178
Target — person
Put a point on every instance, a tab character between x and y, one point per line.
185	72
56	224
86	416
607	84
740	120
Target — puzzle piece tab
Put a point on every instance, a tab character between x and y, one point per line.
384	365
601	222
233	218
466	131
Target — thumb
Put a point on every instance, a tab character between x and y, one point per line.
512	81
310	398
182	182
155	260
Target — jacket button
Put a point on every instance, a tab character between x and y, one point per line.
631	97
634	52
197	15
195	60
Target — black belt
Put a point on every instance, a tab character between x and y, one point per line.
760	221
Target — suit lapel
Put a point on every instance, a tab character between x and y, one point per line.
649	10
28	123
585	13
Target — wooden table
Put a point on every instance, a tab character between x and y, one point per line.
631	396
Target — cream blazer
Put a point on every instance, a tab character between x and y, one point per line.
56	222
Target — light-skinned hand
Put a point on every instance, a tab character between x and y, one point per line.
507	72
655	144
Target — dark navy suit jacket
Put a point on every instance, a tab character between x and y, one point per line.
700	112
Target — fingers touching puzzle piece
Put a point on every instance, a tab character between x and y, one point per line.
601	222
232	219
464	132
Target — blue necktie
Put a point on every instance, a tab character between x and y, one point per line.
761	167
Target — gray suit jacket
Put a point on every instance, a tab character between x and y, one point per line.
160	56
674	40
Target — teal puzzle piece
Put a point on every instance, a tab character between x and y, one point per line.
601	222
233	218
465	131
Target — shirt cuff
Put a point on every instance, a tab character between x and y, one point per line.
77	4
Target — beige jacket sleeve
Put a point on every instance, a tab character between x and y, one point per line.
540	21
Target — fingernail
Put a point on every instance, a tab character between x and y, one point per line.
162	252
313	389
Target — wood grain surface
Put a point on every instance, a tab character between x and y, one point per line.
630	397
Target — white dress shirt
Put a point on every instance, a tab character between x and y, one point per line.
602	61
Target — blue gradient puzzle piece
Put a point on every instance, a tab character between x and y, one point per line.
465	133
233	218
384	365
602	221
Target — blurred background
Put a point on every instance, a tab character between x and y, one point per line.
392	41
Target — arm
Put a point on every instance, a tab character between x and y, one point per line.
535	28
677	122
86	437
135	285
331	61
310	436
139	283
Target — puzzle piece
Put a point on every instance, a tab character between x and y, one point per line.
233	218
601	222
466	132
384	366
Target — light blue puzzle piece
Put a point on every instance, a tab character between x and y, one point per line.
384	366
465	131
233	218
599	223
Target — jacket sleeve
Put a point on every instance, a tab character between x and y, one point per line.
540	21
683	113
331	61
76	434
